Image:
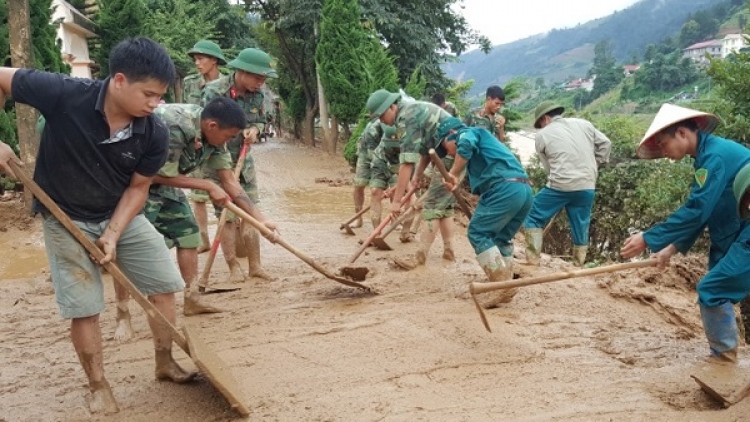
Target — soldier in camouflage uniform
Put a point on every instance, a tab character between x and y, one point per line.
251	68
196	138
488	116
383	175
439	100
207	57
416	123
367	143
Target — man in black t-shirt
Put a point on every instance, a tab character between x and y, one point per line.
99	150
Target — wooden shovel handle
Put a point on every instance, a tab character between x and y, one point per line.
203	281
438	163
404	215
92	249
354	217
476	288
274	238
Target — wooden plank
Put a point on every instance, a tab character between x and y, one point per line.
216	371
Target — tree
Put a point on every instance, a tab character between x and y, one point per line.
690	33
605	68
116	20
340	61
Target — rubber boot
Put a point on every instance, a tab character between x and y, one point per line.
168	370
579	255
252	246
497	268
193	305
720	326
533	244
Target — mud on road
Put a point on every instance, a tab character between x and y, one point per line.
302	347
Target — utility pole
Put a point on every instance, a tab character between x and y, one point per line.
21	56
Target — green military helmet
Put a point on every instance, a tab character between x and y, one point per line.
255	61
379	102
451	123
208	48
543	108
740	186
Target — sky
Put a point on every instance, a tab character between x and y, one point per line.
503	22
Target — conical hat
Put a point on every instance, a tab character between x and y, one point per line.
668	115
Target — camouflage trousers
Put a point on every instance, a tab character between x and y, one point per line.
383	174
363	171
167	208
248	181
439	202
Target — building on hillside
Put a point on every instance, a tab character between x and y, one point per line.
73	30
717	48
629	69
580	83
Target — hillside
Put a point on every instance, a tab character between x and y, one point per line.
568	52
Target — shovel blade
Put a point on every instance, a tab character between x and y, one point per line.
347	229
727	384
381	244
724	401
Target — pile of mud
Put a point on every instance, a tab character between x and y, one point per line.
14	215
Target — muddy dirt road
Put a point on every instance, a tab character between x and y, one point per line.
303	348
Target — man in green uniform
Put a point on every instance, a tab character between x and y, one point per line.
416	123
207	57
488	116
196	138
251	68
439	100
368	141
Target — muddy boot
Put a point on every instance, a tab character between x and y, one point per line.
124	329
168	370
205	245
497	268
579	255
251	237
720	326
533	244
193	305
235	272
102	400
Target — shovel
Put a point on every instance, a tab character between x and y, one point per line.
203	281
438	163
345	225
274	238
719	381
206	360
477	288
380	242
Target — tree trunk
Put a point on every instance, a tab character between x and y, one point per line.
21	55
331	147
308	127
347	133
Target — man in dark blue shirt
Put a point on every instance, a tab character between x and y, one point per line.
99	151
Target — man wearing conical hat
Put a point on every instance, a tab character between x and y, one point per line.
675	133
571	151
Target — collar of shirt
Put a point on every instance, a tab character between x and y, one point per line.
136	126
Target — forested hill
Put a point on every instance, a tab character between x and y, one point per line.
564	53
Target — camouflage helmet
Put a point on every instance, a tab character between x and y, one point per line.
740	186
208	48
379	102
451	123
252	60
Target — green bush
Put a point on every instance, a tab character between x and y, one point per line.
350	151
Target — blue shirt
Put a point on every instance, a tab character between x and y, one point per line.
711	202
488	160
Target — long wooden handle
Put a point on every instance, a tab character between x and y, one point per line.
438	163
272	237
92	249
476	288
403	217
354	217
203	282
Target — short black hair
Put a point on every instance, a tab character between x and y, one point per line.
495	92
140	59
225	112
438	99
689	124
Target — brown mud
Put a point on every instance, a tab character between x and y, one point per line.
613	348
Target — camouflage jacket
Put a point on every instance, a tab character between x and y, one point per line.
477	118
187	148
191	89
387	151
451	108
250	102
370	137
417	123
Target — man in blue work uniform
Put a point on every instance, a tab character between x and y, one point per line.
505	198
675	133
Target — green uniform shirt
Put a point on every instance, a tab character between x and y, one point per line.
477	118
191	88
451	108
417	123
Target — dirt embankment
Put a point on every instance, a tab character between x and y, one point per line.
618	347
